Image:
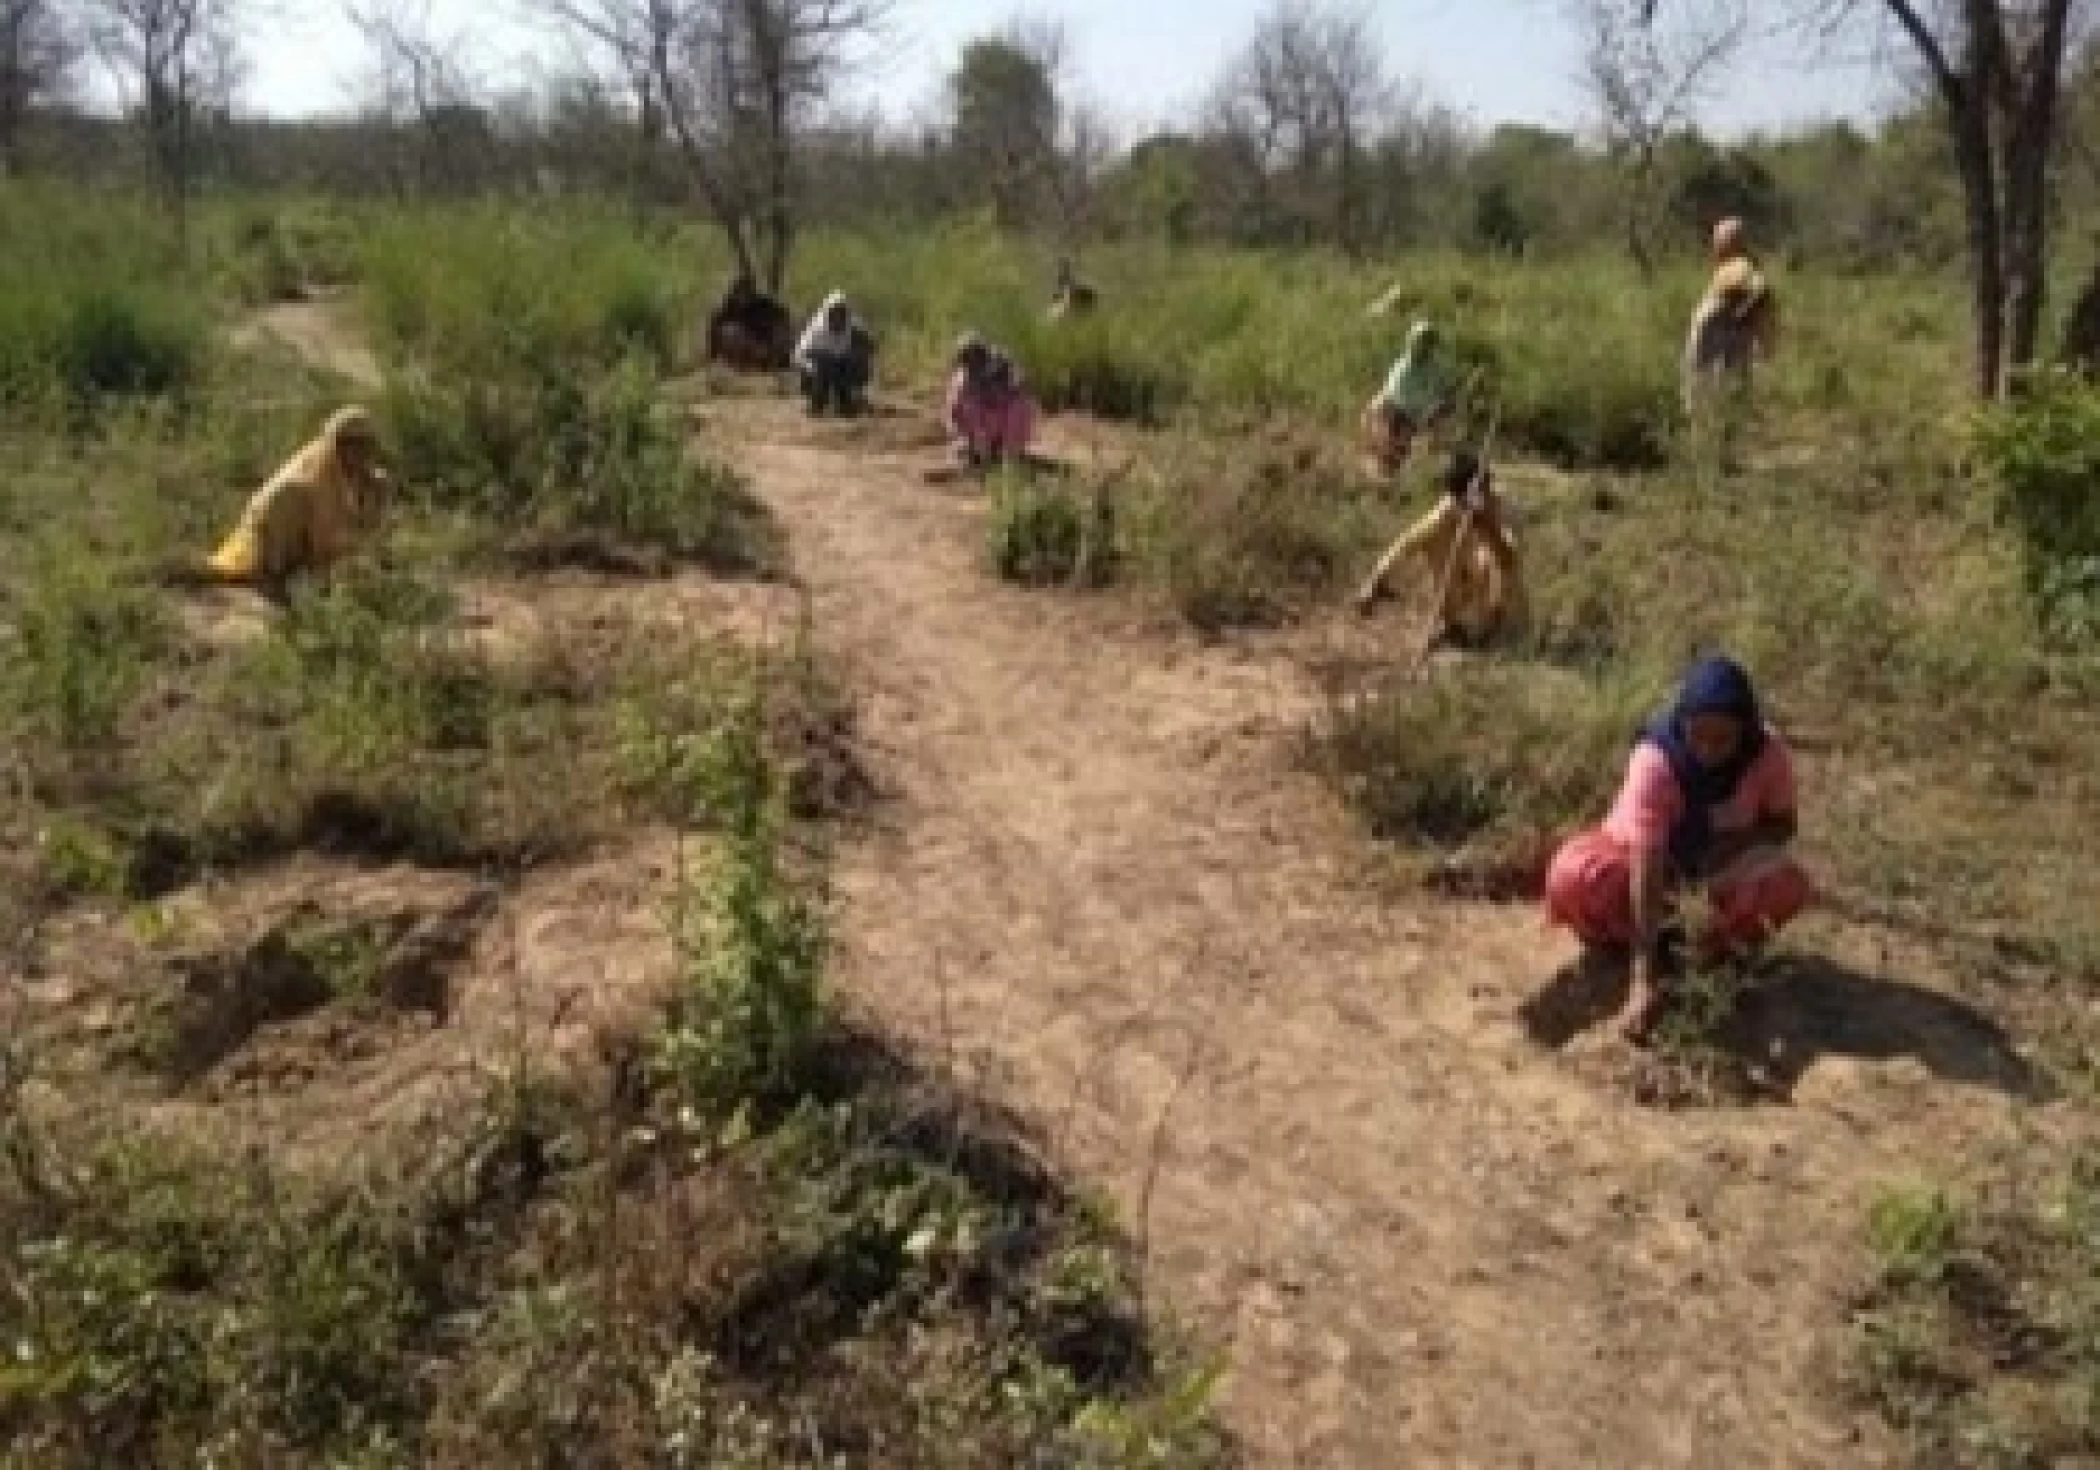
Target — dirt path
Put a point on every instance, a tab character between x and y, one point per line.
323	332
1422	1238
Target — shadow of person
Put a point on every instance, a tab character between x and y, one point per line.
1582	994
1801	1009
1810	1007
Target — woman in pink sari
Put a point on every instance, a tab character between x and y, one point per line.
1707	806
989	416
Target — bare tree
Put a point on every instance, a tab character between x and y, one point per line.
624	42
418	78
733	83
1997	68
1646	77
1304	97
39	48
173	60
1086	147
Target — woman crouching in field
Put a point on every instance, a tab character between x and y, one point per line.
1466	545
1707	805
988	414
311	514
1417	393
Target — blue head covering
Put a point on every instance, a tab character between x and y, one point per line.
1716	685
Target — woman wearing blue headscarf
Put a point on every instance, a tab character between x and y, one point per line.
1708	806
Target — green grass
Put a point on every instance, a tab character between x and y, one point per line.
93	307
1050	531
525	363
1980	1332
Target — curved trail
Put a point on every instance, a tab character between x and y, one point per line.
1421	1239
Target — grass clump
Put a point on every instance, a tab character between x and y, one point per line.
1979	1336
2044	448
1047	531
754	944
78	650
1480	756
1251	542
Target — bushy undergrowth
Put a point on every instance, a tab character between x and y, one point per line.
280	250
887	1271
1980	1333
1582	359
524	389
1482	756
573	467
478	290
1254	537
2045	451
1050	530
93	305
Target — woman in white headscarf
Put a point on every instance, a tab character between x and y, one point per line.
836	358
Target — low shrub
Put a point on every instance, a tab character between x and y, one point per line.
1252	542
542	450
1046	531
1501	755
2044	449
752	1008
78	648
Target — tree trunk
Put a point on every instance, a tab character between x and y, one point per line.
648	133
2026	185
1639	184
1971	128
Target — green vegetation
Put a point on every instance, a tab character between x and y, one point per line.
1047	531
88	312
529	357
1981	1332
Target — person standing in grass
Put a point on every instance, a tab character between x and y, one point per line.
312	513
1417	393
1071	296
836	358
1465	542
1707	807
1735	322
989	416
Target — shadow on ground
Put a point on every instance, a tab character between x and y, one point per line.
1803	1009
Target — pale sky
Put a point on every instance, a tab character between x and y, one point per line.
1146	61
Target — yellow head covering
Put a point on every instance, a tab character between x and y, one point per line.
312	510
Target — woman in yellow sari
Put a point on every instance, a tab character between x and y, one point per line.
1465	544
313	511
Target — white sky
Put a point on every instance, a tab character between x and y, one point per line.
1145	61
